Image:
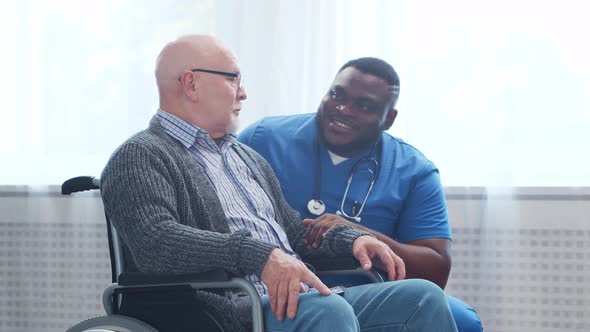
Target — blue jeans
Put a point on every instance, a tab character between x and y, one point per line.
465	317
405	306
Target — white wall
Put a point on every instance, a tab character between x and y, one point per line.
521	258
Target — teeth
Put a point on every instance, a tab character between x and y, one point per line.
341	125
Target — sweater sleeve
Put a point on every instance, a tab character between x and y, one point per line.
143	191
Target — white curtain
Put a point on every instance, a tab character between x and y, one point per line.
494	92
77	79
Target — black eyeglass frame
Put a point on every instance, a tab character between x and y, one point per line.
238	76
224	73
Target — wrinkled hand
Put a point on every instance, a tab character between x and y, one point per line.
317	228
283	276
371	252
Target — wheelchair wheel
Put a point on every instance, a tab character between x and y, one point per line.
112	323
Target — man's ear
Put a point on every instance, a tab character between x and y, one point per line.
189	84
389	118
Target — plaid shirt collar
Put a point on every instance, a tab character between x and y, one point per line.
191	135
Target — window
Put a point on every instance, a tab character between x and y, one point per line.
77	79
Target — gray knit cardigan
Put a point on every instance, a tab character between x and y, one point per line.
171	220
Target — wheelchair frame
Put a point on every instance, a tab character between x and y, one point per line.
122	280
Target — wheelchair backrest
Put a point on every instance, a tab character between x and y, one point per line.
116	251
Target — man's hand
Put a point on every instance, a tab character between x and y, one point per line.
369	251
283	276
317	228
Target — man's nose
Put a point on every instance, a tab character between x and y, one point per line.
343	107
241	93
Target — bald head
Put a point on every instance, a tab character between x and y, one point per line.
193	51
185	53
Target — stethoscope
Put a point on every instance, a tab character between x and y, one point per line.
317	207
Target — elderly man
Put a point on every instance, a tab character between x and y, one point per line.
339	167
186	197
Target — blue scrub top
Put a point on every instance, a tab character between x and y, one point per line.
407	202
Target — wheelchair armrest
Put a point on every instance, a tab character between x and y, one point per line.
342	266
150	279
333	263
211	279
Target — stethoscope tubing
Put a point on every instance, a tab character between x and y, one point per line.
318	176
374	175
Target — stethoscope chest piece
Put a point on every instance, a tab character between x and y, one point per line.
316	207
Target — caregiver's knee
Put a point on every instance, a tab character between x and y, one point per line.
420	290
465	316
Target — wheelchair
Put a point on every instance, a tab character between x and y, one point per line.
126	283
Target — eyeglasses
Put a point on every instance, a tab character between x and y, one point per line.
237	76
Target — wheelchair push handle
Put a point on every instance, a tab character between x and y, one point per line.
80	183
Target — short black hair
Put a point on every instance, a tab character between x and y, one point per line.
379	68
